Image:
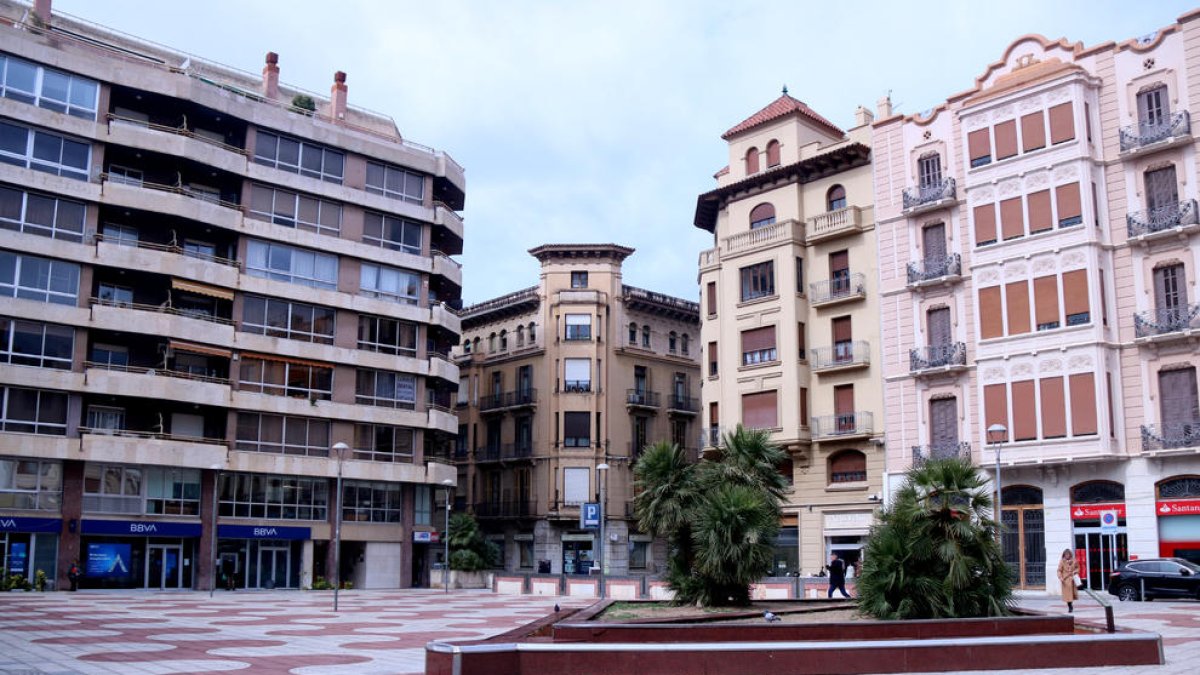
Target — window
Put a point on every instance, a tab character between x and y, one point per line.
292	209
30	485
773	153
389	283
633	333
245	495
836	198
1045	299
383	443
710	295
758	346
799	275
492	343
1162	190
503	340
422	505
985	224
712	359
578	327
579	279
386	389
843	340
751	161
269	260
760	410
292	320
109	355
1062	123
466	345
672	342
577	375
112	488
577	429
532	333
117	296
121	235
199	249
123	175
761	216
1075	298
1070	210
683	344
801	341
1153	108
45	152
392	233
394	182
104	419
45	216
847	466
371	502
1033	131
979	147
839	273
33	411
758	281
638	553
646	337
1006	139
295	156
929	171
282	435
286	378
39	279
520	336
47	88
32	343
387	336
576	488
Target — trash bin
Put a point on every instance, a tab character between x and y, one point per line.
543	567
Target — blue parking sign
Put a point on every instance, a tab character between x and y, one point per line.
589	516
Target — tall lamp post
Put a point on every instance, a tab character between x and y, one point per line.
339	449
603	470
449	485
996	435
212	535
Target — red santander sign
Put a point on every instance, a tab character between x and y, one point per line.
1093	511
1178	507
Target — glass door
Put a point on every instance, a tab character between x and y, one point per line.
274	565
164	568
1024	545
1103	554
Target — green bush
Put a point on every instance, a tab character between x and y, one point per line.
469	551
304	102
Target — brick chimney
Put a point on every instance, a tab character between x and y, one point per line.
41	9
337	97
270	82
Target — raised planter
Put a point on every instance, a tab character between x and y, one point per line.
461	579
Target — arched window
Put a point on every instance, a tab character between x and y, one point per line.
847	466
773	153
1179	487
672	342
504	340
646	336
532	333
476	345
762	215
492	342
1097	492
1022	495
751	161
467	346
520	336
633	333
683	344
836	198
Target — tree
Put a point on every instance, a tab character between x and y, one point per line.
719	517
933	553
469	551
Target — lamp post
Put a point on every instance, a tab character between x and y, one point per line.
996	434
339	449
212	535
449	485
603	469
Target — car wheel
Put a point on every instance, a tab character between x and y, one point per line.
1127	592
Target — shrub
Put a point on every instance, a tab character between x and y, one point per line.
304	102
469	551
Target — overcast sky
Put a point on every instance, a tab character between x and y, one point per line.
581	121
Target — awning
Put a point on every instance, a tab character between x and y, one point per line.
201	289
285	359
193	348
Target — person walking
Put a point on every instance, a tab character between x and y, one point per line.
837	575
1068	574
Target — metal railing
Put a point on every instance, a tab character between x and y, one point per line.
1170	435
164	308
683	403
506	509
1167	320
843	424
177	131
854	285
928	194
180	374
937	356
517	450
488	453
155	435
577	386
181	190
508	399
165	248
1140	135
1141	223
934	268
642	397
841	355
924	453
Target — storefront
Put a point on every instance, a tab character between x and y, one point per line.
846	534
577	553
260	556
28	545
1098	526
138	554
786	561
1177	503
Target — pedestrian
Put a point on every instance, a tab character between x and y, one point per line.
837	575
73	575
1068	577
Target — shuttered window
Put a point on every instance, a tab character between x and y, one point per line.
991	315
843	400
995	405
1041	218
577	429
759	410
1083	404
1017	295
711	297
1070	211
1024	411
1062	123
751	161
773	153
1006	139
758	346
712	359
1045	299
980	147
985	224
575	485
1033	131
1054	413
1012	220
848	466
1075	298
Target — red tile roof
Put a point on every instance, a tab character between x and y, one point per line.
781	107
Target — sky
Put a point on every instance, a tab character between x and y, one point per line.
600	121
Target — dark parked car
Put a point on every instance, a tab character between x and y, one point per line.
1156	578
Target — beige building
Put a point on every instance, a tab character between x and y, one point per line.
790	329
558	380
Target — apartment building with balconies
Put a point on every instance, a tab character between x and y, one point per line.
207	281
1038	240
558	380
790	328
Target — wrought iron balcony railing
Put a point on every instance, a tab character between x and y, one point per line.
641	397
1142	223
843	424
518	450
930	269
937	356
924	453
488	453
683	403
1166	321
931	193
841	355
1171	435
1138	136
505	509
839	288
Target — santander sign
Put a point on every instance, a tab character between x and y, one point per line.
1178	507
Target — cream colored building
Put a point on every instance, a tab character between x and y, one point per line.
558	379
789	327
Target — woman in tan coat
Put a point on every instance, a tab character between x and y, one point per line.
1067	569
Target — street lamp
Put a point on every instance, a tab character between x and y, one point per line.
339	449
996	434
603	469
212	535
448	484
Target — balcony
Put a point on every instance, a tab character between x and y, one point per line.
838	290
1163	325
577	386
936	270
924	453
518	450
509	400
1180	218
641	399
935	359
1157	134
841	356
833	224
850	425
506	509
929	197
488	453
682	405
712	437
1170	436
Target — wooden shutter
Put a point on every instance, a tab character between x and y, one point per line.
1054	412
1033	131
712	358
577	425
979	146
842	329
1041	218
802	339
1045	299
848	461
714	417
1062	123
991	315
758	338
933	239
995	405
804	407
985	224
1075	292
773	153
943	422
751	161
1006	139
1177	396
1083	404
1024	411
711	291
843	399
1017	295
839	261
1012	220
1161	188
759	410
939	326
1068	201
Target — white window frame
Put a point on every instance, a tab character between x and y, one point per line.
8	348
53	167
59	272
259	255
82	106
56	229
374	278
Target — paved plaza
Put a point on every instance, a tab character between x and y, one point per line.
375	631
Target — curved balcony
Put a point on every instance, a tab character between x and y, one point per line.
1156	134
929	197
858	424
934	359
936	270
924	453
841	356
1170	436
1172	323
835	291
1173	218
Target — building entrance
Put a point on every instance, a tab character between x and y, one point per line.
274	566
164	566
1099	550
1024	536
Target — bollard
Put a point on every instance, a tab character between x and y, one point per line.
1108	618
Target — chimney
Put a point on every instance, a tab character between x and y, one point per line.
863	117
41	11
337	97
884	107
270	82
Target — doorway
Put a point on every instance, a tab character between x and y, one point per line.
1023	540
164	566
1099	555
274	566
